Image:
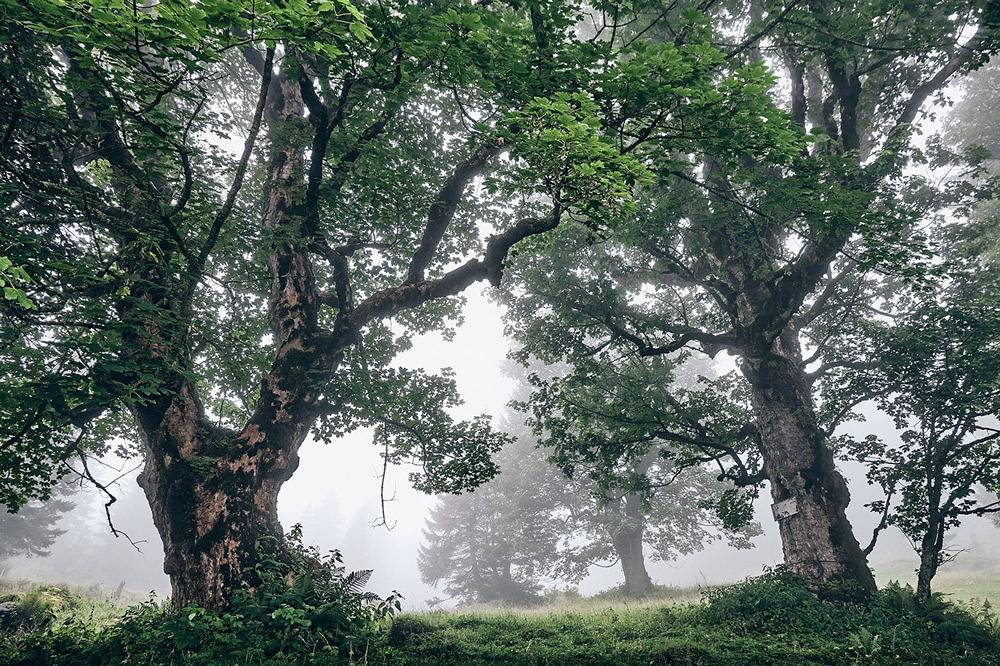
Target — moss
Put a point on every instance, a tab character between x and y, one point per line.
216	440
202	465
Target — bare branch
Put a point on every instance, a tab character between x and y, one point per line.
248	146
882	524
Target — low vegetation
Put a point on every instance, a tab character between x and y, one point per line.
322	618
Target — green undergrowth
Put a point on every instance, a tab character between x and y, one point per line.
39	606
306	610
769	620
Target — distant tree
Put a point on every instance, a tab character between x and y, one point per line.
972	121
495	544
32	530
973	128
630	434
540	520
673	514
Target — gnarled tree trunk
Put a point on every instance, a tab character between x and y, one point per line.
214	492
214	496
810	495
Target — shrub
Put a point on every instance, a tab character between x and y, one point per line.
775	603
34	609
943	621
308	610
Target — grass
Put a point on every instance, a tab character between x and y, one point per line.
772	620
611	636
963	580
570	601
94	605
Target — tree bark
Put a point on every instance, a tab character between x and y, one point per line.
929	561
214	497
627	533
214	492
810	495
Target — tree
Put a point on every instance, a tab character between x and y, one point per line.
223	307
672	515
970	121
32	530
972	130
496	543
745	255
621	429
538	522
937	373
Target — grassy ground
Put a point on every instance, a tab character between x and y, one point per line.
963	580
573	602
771	621
92	604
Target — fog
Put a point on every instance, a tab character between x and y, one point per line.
335	496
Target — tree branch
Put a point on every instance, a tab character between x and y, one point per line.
443	209
883	523
413	294
248	146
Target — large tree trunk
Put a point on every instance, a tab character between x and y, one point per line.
214	492
214	496
810	496
627	539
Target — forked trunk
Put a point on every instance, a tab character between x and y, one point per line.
214	499
627	540
810	496
214	492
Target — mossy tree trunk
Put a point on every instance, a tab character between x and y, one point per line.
214	498
214	492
